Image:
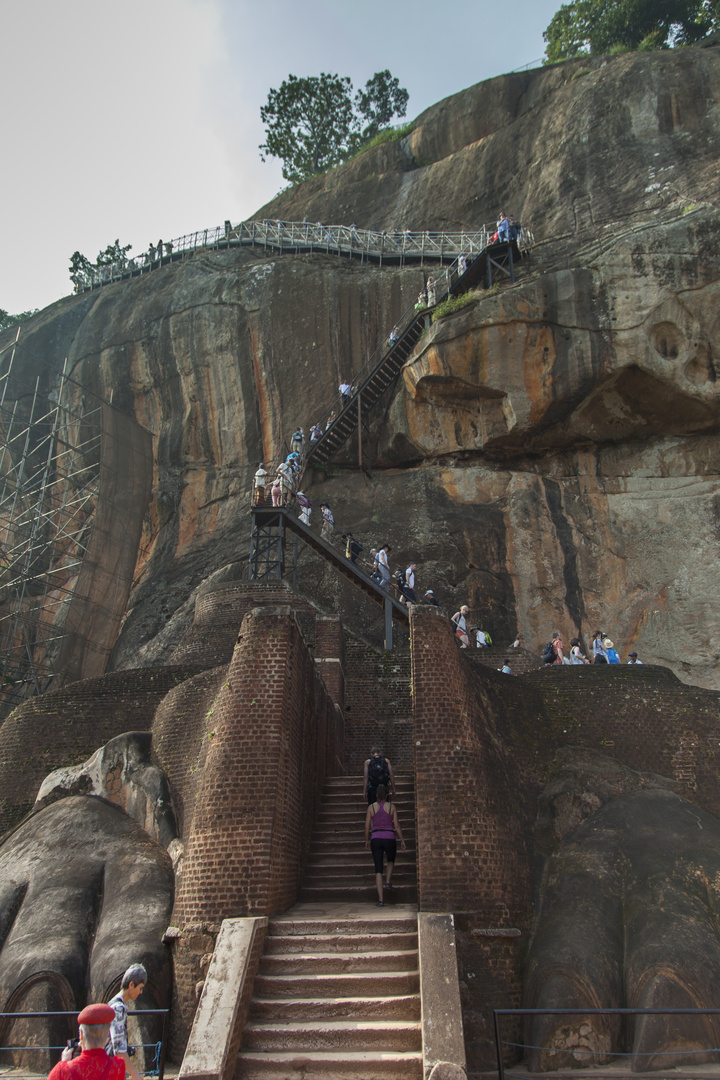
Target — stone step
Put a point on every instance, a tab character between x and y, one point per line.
353	782
387	925
354	1035
352	841
356	795
345	816
344	943
404	864
403	1007
358	808
403	878
336	963
355	831
405	894
370	984
352	861
329	1065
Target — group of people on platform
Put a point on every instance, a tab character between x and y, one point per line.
602	648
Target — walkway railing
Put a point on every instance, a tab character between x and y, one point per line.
396	246
159	1049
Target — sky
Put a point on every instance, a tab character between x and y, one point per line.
141	120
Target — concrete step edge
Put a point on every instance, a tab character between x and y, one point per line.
333	1025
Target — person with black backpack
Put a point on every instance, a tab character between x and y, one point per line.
378	770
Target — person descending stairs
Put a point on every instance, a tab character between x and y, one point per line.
337	993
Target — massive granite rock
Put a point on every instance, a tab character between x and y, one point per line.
85	892
627	919
551	453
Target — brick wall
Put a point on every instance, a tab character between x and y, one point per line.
182	732
330	655
67	726
378	706
474	816
521	661
276	733
220	610
642	715
485	747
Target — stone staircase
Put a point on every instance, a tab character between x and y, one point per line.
340	869
337	993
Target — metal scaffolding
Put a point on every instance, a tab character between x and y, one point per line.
49	474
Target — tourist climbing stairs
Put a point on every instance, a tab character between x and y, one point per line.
368	392
338	991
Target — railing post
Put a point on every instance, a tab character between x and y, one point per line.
498	1048
163	1045
388	623
359	421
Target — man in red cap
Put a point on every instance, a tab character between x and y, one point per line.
93	1063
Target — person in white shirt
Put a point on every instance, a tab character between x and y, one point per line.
382	561
328	521
410	583
634	659
459	620
345	393
260	481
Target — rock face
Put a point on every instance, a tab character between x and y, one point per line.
71	874
550	455
627	919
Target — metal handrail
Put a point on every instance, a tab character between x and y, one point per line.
74	1013
447	277
304	236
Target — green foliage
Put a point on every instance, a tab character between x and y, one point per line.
81	269
7	320
382	98
453	304
314	123
114	253
389	134
601	26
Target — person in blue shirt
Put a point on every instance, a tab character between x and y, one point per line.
611	652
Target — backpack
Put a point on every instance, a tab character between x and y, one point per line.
548	654
378	772
488	639
400	577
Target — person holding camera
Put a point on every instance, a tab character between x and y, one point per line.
131	987
92	1062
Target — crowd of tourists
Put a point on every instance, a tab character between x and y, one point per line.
602	650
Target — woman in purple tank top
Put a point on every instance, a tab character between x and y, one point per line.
382	818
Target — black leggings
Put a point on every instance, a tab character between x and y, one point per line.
381	844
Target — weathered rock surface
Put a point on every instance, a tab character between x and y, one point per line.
85	892
627	919
123	773
551	454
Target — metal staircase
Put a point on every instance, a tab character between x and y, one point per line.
270	526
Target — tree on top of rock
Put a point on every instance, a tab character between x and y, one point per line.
601	26
7	320
315	123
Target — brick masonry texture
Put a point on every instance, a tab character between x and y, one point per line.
378	706
268	700
220	610
276	733
485	747
66	726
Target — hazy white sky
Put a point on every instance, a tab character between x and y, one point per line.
141	120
